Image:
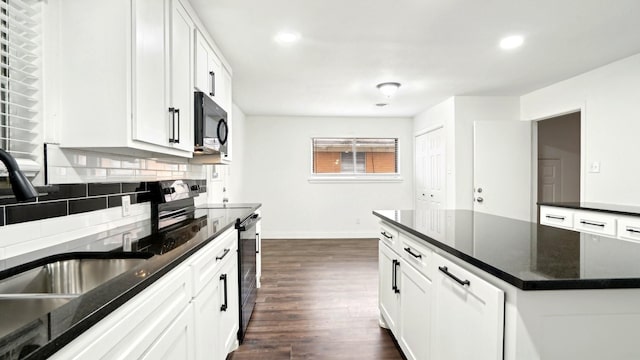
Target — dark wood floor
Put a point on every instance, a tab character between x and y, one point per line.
318	301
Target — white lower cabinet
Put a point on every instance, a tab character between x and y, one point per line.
216	309
176	342
415	313
436	309
135	328
191	313
206	307
229	318
389	296
468	315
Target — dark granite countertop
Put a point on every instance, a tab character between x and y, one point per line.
609	208
68	321
526	255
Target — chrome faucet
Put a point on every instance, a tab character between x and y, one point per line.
22	188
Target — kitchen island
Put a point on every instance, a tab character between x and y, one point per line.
506	289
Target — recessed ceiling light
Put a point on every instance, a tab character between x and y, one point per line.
286	37
511	42
388	89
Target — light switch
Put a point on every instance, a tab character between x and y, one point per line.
595	167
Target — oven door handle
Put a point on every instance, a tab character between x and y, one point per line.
248	222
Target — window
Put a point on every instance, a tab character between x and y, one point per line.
19	72
355	157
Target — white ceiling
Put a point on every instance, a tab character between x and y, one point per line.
435	48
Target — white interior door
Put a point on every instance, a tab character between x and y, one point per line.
502	168
549	180
430	182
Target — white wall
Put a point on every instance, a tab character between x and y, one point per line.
278	165
609	98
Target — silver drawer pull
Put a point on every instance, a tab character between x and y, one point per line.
555	217
632	230
591	223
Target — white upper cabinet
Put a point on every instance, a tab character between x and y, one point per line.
126	76
181	94
209	74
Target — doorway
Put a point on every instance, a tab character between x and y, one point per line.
559	159
558	180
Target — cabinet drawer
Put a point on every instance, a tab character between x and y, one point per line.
416	254
558	217
388	235
460	278
629	228
594	222
209	259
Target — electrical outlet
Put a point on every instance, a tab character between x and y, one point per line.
595	167
357	221
126	205
126	241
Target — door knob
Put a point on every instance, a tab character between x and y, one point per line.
479	199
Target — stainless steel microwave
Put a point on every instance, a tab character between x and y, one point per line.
211	129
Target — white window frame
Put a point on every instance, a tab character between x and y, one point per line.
354	178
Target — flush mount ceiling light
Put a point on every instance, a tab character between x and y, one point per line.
381	104
286	37
511	42
388	89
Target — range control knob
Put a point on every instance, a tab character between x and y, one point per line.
195	187
169	191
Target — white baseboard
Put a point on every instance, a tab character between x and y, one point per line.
318	235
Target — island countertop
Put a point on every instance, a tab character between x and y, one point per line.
527	255
601	207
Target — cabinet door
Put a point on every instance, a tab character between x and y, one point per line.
207	322
150	73
229	317
389	296
181	86
201	72
415	313
468	315
176	341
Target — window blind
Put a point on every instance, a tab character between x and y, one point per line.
19	81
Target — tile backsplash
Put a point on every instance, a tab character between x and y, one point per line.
66	166
69	199
84	197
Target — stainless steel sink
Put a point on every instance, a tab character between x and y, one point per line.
31	294
73	276
19	311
